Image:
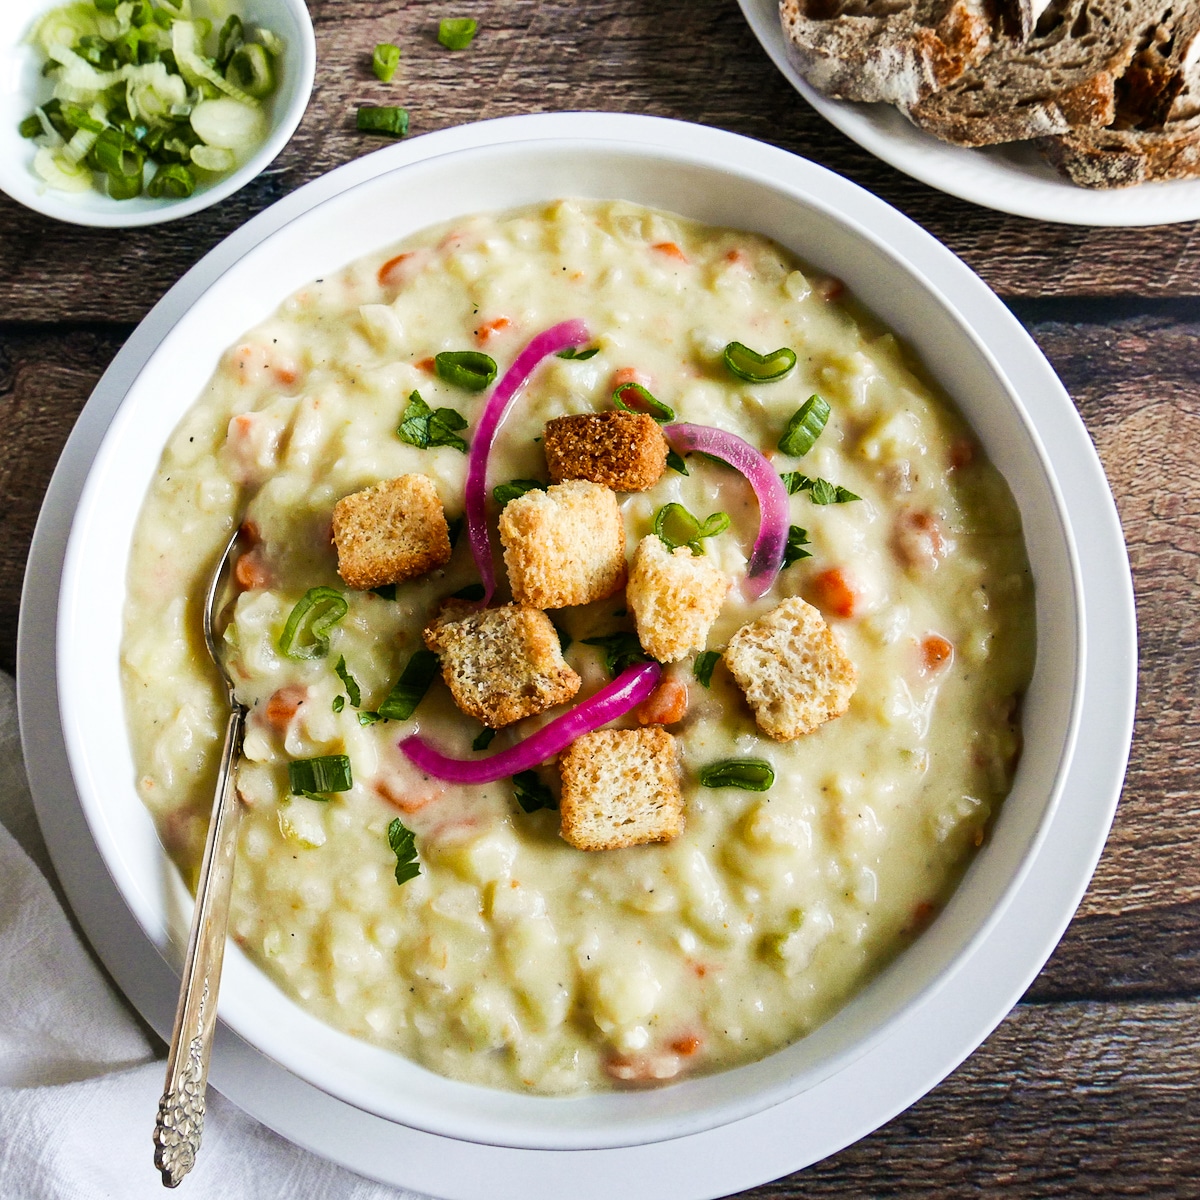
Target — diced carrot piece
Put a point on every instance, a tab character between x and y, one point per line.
737	257
936	652
287	375
671	250
250	533
389	274
830	288
250	571
918	539
833	592
667	704
488	328
426	364
284	705
922	914
624	375
962	453
688	1044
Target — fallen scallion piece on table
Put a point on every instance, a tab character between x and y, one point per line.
457	33
389	119
385	60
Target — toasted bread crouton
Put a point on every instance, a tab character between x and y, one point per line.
793	670
390	532
620	787
625	451
675	597
501	664
564	546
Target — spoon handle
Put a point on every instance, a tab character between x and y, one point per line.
181	1109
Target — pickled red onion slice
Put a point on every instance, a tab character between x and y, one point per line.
627	691
766	558
550	341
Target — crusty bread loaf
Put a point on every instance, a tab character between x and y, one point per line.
675	598
564	546
391	532
624	451
501	664
894	50
620	787
1156	132
1061	78
794	672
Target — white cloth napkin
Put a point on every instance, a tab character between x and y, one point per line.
79	1076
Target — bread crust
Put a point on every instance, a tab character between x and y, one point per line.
675	598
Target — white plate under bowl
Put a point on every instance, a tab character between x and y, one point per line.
982	958
22	86
1012	178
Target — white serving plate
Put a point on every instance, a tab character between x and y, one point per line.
1013	178
991	969
22	86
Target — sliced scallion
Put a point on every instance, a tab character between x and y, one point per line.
173	180
747	364
404	846
749	774
411	687
31	127
468	369
376	118
457	33
630	394
805	427
251	71
306	634
385	60
685	529
327	773
232	36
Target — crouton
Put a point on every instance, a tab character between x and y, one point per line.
501	664
793	670
564	546
675	598
624	451
390	532
620	787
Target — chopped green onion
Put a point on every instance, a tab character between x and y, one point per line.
531	793
676	463
469	369
404	846
749	774
473	591
758	368
31	127
621	650
389	119
579	355
411	687
424	427
793	550
116	153
250	70
661	412
275	45
367	717
689	531
457	33
502	493
230	38
328	773
350	683
306	634
385	60
173	180
805	427
820	491
702	668
483	739
339	702
123	187
79	117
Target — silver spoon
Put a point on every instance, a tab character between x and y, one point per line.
181	1109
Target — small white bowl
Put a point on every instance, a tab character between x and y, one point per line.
713	177
22	87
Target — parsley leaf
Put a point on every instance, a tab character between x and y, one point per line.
339	702
350	683
531	792
483	739
621	650
794	551
404	846
424	427
676	463
820	491
385	591
702	668
409	690
579	355
504	492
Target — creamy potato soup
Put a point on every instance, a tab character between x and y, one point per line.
514	960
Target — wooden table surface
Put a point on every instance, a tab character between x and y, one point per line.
1091	1087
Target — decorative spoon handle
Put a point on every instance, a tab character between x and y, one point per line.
181	1109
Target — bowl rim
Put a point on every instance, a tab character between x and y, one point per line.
96	211
924	283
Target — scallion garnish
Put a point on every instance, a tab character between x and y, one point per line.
404	846
306	634
328	773
423	427
805	427
793	550
531	793
31	127
411	687
457	33
251	71
339	703
367	717
749	774
469	369
702	668
350	683
483	739
389	119
171	179
504	492
385	60
820	491
579	355
758	368
686	529
629	394
621	650
232	35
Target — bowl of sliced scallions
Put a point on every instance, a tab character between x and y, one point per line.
131	112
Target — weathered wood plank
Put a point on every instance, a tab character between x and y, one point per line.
1065	1100
695	62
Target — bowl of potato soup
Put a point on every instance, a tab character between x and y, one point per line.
658	619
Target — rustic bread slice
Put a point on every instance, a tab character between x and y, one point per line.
620	787
1060	79
898	51
1156	133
